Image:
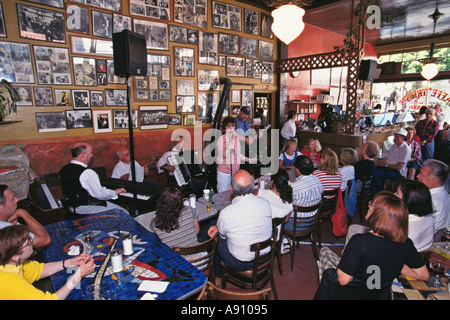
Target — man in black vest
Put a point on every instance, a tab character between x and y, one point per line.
81	186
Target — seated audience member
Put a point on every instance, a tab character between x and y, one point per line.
387	246
434	174
174	223
247	220
82	185
312	149
328	173
416	153
366	166
288	155
306	190
17	273
123	166
9	215
393	166
348	159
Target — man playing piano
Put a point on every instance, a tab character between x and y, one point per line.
81	186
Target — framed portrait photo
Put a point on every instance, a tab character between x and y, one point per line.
102	24
174	119
116	97
121	22
266	25
121	119
97	99
102	121
153	117
185	87
77	119
208	48
251	21
77	19
23	95
51	121
226	16
84	71
63	97
81	99
248	47
235	96
43	96
228	43
184	61
178	34
155	33
265	50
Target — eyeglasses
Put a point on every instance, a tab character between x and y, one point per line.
125	155
29	242
370	204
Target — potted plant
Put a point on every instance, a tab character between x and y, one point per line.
7	103
337	122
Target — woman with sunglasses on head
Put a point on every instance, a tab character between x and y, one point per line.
17	273
372	260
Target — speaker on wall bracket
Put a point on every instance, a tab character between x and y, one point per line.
368	70
130	54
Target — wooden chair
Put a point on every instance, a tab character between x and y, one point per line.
279	222
203	263
327	209
211	292
310	231
261	273
362	198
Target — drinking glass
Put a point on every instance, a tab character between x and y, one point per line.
440	268
88	236
109	295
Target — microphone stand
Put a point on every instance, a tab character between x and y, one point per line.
132	163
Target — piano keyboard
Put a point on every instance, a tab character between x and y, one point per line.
130	195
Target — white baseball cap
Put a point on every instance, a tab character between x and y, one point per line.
402	132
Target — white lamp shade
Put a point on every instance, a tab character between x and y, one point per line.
429	71
288	22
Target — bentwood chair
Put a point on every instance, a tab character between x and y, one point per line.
308	227
261	273
203	263
327	209
211	292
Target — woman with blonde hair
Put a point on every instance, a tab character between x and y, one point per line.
328	173
288	155
312	149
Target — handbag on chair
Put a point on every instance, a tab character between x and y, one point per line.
339	218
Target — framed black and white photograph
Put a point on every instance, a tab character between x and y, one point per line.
185	87
51	121
155	33
97	99
247	98
174	119
52	3
248	47
43	96
81	99
23	96
228	43
252	68
102	121
235	96
52	65
77	19
185	104
208	48
184	61
85	45
151	8
114	5
156	85
188	119
192	36
84	71
116	97
63	97
251	22
153	117
121	119
266	72
265	50
222	61
226	16
208	80
77	119
235	67
102	24
2	23
178	34
100	69
191	12
41	24
266	25
111	77
16	65
121	22
207	107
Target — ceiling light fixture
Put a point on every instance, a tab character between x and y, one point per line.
288	22
430	68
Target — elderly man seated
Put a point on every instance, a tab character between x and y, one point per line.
123	166
393	166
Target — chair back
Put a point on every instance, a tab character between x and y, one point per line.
203	263
309	224
349	187
329	201
211	292
262	267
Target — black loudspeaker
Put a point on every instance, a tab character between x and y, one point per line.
367	70
130	54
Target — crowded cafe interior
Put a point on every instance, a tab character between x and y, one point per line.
224	150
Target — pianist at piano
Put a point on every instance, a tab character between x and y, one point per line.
81	186
9	214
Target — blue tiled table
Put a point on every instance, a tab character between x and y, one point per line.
151	260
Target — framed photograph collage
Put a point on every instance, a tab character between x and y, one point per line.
70	62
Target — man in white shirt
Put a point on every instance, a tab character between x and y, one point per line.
123	167
393	166
434	174
289	129
247	220
81	186
440	118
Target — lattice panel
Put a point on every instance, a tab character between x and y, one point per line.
329	60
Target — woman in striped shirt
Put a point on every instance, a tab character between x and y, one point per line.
328	173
